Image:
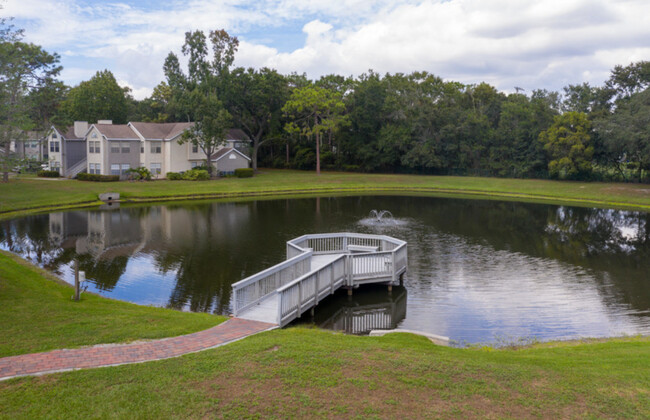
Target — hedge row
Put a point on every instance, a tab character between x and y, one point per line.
191	175
244	173
97	178
48	174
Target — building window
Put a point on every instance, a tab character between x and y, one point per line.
125	168
115	169
54	135
156	147
195	148
232	156
156	168
93	147
126	147
142	148
54	146
115	147
194	164
95	168
93	135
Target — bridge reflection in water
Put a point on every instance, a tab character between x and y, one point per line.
370	308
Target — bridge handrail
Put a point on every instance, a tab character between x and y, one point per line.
328	243
252	289
293	296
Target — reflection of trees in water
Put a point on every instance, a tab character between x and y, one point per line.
211	245
613	245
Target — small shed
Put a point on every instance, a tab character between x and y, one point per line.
228	159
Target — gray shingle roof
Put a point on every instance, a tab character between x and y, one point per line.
116	131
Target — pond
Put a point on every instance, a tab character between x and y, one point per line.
479	271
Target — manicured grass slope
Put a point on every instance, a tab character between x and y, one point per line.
30	193
303	373
37	314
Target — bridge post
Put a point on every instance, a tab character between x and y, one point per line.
299	299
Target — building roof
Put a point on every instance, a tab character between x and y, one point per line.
68	133
237	134
226	150
160	131
117	131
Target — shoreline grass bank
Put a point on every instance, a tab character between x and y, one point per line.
37	314
32	195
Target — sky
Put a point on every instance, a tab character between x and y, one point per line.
541	44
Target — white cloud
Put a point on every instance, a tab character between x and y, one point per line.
543	44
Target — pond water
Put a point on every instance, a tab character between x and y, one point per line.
479	271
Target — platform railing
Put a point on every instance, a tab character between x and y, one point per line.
299	288
305	292
252	289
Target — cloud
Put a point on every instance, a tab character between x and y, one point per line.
543	44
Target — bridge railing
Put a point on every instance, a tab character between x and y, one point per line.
307	290
334	243
251	290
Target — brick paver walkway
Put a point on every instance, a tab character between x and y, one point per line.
118	354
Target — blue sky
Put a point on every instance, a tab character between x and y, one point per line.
542	44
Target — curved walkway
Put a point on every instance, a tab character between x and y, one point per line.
119	354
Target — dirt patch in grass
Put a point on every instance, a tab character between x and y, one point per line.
368	387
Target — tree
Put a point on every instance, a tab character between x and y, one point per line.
314	110
255	101
24	68
211	126
97	99
626	133
567	142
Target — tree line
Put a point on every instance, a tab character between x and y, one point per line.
407	123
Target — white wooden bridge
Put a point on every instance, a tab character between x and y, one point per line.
316	266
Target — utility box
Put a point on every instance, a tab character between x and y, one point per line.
109	196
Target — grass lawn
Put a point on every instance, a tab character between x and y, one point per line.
37	314
308	373
36	194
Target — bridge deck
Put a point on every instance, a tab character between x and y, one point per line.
267	309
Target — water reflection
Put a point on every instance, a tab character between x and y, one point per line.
477	269
369	308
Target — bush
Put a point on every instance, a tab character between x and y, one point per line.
139	174
174	176
196	175
97	178
244	173
48	174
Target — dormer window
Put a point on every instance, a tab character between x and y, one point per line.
54	135
93	135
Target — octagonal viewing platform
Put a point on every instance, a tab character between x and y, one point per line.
316	266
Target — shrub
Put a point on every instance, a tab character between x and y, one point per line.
48	174
97	178
244	173
174	176
139	174
351	168
196	175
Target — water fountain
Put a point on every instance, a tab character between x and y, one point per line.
380	218
380	215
